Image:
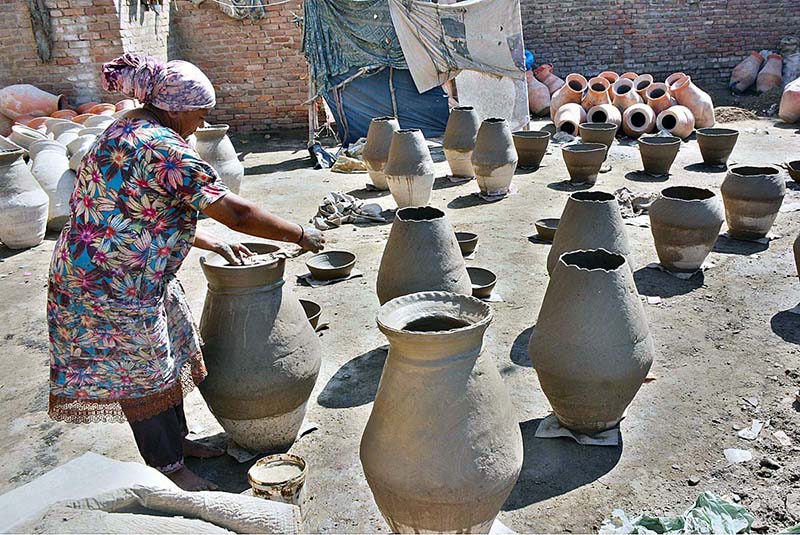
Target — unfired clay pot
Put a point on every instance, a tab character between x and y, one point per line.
624	94
591	346
583	161
23	136
770	75
50	168
78	148
409	170
538	95
658	153
591	219
421	254
215	147
569	117
23	203
596	93
638	119
544	73
677	120
376	149
658	97
752	197
789	110
641	83
531	147
698	101
569	93
685	222
262	355
25	99
604	113
599	133
716	144
442	448
494	158
746	72
459	140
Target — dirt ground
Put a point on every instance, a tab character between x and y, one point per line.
728	353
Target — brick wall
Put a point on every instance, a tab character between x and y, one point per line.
146	32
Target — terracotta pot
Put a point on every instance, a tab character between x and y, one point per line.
459	140
215	147
80	119
26	99
591	346
746	72
611	76
531	147
624	94
409	170
677	120
583	161
789	111
698	101
26	120
596	94
78	148
262	355
629	75
752	198
658	97
599	133
685	222
36	123
569	117
641	83
5	125
716	144
494	158
604	113
569	93
23	203
538	95
658	153
84	108
376	149
544	73
125	104
770	75
407	265
24	136
439	389
103	108
591	219
50	168
64	114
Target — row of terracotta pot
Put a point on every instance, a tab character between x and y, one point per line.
750	71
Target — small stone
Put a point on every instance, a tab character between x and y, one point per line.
676	467
772	464
766	474
759	526
693	481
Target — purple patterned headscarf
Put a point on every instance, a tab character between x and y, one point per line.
173	86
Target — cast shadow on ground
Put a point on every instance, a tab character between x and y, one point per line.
465	201
554	466
641	176
786	325
226	472
792	185
705	168
566	185
442	182
355	383
366	194
519	349
786	126
301	162
726	245
657	283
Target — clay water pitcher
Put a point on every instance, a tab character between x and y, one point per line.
409	170
604	113
569	93
674	77
685	223
698	101
569	117
752	197
25	99
638	119
544	73
629	75
459	140
716	144
50	168
624	94
611	76
591	346
789	110
531	146
658	153
677	120
215	147
262	355
583	161
442	448
596	94
770	75
421	254
746	72
590	220
23	203
494	158
658	97
376	149
538	95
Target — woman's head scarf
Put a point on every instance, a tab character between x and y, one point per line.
173	86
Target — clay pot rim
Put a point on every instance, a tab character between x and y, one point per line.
575	77
407	131
680	82
627	83
384	119
656	87
599	80
463	108
614	261
608	72
603	127
213	128
794	165
52	143
29	132
543	67
750	171
546	222
217	261
315	309
683	193
593	196
483	312
717	132
284	457
419	214
584	147
481	285
495	120
660	140
630	75
775	56
756	54
642	78
531	134
466	237
9	156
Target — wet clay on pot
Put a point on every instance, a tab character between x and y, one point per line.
599	133
494	158
570	93
215	147
441	393
625	95
409	170
569	117
23	203
677	120
752	198
658	153
591	219
421	254
716	144
591	346
596	93
685	223
638	119
531	147
376	149
459	140
262	355
583	161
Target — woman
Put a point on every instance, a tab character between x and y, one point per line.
122	342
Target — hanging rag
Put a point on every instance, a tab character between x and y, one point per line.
244	9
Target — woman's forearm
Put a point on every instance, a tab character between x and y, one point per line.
204	240
244	216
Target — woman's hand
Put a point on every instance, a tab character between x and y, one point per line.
312	240
234	253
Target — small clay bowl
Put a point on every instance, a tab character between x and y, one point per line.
483	281
467	242
331	265
794	170
313	311
547	228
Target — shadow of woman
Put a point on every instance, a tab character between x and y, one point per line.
355	383
786	325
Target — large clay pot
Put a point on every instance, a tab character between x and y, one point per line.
408	264
590	220
262	355
409	170
538	95
77	150
770	76
677	120
658	97
569	117
674	77
685	222
638	119
215	147
25	99
64	114
599	133
65	132
658	153
624	94
789	111
544	73
642	83
459	140
629	75
604	113
583	161
531	147
596	94
442	449
50	168
752	197
494	158
84	108
716	144
698	101
376	149
611	76
23	203
569	93
746	72
591	346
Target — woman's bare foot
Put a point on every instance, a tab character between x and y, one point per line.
188	480
201	451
